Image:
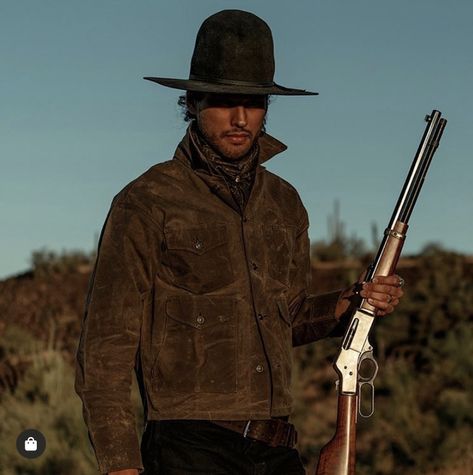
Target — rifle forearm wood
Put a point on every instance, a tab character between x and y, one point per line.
389	257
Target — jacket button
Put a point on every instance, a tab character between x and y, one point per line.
254	265
200	319
260	368
260	316
198	244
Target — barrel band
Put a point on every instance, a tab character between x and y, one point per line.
395	234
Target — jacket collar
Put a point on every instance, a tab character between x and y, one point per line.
268	145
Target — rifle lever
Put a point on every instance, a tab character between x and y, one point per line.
366	376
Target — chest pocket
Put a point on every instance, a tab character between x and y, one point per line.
198	257
279	246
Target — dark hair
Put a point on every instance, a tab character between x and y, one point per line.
182	102
197	96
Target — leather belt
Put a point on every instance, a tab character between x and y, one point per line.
274	432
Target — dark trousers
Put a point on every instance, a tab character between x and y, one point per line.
181	447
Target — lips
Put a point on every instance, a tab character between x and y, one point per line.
237	138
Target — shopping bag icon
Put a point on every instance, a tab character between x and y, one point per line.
31	445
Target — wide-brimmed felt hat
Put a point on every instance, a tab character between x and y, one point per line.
233	54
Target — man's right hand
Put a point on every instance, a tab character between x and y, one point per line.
128	471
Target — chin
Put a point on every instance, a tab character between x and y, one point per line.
234	154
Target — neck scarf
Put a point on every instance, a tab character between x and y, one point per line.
238	174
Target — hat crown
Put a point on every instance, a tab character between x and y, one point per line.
234	46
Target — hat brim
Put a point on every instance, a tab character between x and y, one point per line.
227	88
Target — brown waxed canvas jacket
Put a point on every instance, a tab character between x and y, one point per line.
204	303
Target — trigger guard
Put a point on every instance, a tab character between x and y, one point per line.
371	378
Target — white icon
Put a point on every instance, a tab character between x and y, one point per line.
31	445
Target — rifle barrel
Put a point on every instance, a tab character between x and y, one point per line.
413	183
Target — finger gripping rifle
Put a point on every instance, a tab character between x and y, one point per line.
355	365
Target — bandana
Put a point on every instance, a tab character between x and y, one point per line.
238	174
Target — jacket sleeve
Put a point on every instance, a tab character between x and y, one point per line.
312	316
110	335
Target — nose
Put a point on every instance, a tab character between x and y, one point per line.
239	117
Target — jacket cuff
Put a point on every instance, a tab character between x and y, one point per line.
324	305
116	449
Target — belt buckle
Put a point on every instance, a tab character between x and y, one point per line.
247	428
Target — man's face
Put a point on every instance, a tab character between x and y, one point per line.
230	122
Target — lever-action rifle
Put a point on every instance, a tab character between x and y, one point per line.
355	365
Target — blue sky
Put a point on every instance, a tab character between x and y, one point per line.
78	122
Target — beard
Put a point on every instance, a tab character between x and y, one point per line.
227	147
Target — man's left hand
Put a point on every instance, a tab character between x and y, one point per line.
383	293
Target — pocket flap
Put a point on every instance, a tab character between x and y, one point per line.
197	239
200	312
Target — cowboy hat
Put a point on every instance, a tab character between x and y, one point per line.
233	54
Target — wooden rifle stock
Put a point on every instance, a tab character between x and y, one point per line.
338	456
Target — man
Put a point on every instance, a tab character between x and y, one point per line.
201	282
